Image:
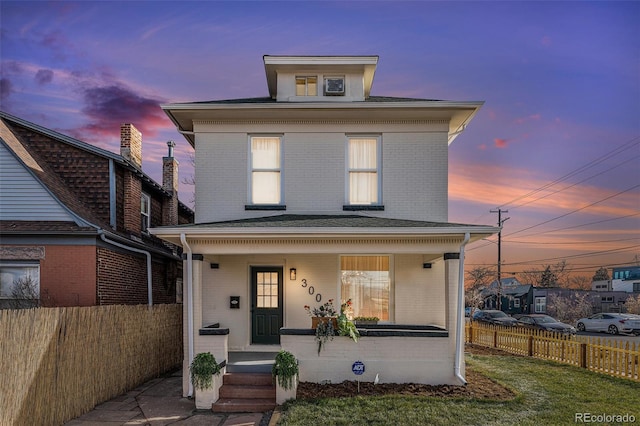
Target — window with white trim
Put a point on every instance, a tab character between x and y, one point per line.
265	163
363	170
516	303
145	212
20	281
366	280
307	85
540	305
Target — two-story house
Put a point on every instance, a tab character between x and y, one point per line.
321	191
75	219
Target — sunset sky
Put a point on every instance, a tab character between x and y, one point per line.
557	143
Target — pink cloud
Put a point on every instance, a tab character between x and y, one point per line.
500	143
482	147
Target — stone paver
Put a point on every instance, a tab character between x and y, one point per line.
159	402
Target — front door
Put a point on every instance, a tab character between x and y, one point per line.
266	304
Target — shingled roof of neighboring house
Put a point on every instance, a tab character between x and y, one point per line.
9	120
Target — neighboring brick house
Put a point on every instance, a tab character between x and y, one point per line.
321	191
74	221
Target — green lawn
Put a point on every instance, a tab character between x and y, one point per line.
547	394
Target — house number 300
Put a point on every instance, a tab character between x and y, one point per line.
311	290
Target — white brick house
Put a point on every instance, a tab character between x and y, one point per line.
345	190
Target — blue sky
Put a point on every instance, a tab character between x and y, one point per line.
560	81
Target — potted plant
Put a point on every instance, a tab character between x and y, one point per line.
285	373
324	320
202	370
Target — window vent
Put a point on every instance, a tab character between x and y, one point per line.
334	86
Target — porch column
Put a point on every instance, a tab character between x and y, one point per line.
196	276
451	274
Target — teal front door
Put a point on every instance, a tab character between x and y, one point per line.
266	304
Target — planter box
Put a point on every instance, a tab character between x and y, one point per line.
316	320
206	397
283	395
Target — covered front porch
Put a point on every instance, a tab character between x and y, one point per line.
247	283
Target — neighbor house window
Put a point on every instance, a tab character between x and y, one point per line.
20	281
540	304
307	86
265	170
516	303
366	280
145	212
364	170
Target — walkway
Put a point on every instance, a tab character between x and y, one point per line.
159	402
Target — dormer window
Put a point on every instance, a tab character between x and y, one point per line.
306	86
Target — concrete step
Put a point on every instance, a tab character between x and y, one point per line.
236	405
258	379
247	391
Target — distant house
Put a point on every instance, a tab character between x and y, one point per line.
601	301
626	279
322	191
515	298
74	220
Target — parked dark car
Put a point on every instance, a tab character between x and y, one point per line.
545	322
494	317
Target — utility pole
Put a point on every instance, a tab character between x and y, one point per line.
500	222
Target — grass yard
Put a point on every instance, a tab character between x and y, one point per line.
546	394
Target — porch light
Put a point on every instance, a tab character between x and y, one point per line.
292	274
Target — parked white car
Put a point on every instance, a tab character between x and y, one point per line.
612	323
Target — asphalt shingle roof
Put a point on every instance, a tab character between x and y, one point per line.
325	221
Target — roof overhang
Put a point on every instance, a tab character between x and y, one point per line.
260	240
457	113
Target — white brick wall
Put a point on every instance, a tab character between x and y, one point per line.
414	158
422	359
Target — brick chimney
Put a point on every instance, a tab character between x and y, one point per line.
131	151
131	144
170	184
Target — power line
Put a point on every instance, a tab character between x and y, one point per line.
614	152
576	210
577	183
574	256
578	226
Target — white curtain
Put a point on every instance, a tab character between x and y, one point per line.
363	171
265	176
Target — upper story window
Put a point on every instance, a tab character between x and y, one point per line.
145	212
266	173
306	86
364	171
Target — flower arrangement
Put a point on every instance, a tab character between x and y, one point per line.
324	310
346	327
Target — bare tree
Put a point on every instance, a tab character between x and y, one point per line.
580	282
569	308
25	293
474	299
632	304
480	277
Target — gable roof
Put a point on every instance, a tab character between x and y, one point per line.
8	120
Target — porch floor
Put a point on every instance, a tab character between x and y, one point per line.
251	362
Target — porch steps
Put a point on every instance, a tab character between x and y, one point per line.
246	393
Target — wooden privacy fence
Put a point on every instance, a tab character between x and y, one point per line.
608	356
58	363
